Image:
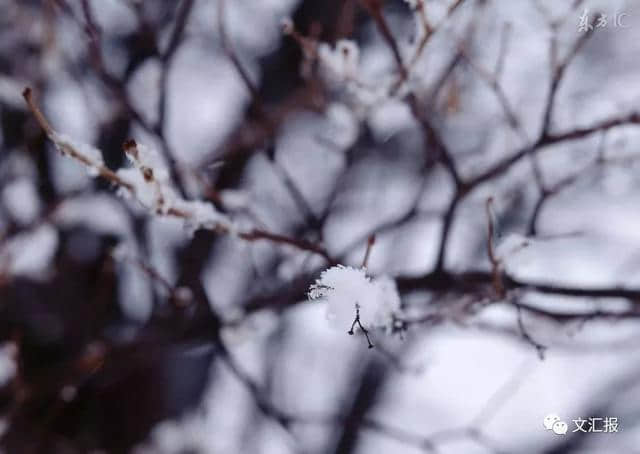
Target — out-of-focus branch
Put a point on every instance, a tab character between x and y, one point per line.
374	7
558	70
180	297
496	264
233	57
492	80
471	281
472	431
370	242
95	53
259	234
428	32
177	36
117	86
540	349
554	139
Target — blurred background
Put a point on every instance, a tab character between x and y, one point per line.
491	147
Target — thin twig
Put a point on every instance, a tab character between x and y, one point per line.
370	242
540	349
496	264
103	171
362	328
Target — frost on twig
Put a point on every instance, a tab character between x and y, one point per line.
147	181
353	298
150	179
66	146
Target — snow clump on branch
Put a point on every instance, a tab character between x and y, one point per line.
344	287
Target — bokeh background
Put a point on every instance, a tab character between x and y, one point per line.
206	343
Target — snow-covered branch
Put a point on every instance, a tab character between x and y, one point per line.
148	183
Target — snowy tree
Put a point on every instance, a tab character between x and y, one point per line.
300	226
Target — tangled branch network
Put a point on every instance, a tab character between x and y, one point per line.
348	291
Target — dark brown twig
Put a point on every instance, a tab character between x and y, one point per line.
370	242
356	321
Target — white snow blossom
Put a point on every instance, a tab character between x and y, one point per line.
344	287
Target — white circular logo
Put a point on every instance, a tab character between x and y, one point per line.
553	423
560	428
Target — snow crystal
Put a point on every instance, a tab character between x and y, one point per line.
342	287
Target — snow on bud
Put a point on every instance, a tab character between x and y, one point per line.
148	161
151	182
339	64
149	178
